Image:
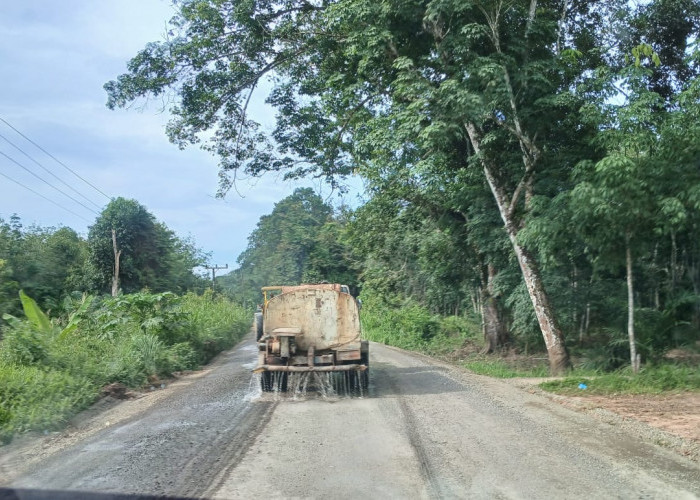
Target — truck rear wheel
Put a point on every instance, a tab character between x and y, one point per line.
258	325
364	375
364	379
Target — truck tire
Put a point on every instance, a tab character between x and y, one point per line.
258	326
364	375
364	380
266	381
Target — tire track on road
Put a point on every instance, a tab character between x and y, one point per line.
232	451
414	438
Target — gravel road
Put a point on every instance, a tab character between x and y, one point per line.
425	430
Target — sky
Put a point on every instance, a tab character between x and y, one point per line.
55	56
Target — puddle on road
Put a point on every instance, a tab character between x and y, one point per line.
249	348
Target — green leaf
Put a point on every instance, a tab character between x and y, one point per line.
35	315
403	63
12	320
76	317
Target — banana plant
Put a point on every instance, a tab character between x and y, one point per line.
76	317
40	320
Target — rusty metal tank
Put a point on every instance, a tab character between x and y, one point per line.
326	318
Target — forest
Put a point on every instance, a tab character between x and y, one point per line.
534	161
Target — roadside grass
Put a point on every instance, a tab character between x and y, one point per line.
48	372
658	379
216	322
33	398
501	369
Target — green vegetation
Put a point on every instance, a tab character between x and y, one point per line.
500	369
649	380
50	369
414	327
302	240
534	166
49	264
152	256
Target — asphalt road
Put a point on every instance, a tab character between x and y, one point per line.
425	430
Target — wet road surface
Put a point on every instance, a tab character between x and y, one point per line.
425	430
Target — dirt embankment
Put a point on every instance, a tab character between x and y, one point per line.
677	414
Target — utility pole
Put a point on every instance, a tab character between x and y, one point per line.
214	268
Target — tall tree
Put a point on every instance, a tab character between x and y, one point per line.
46	262
152	256
421	91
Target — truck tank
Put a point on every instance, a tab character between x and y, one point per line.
310	328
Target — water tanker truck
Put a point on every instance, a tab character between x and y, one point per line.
310	329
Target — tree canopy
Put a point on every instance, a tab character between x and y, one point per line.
152	257
52	265
301	240
484	126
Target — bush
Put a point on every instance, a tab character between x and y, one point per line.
148	353
413	327
90	358
215	323
42	399
23	345
47	376
180	357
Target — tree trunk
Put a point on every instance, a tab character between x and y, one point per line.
559	360
574	294
585	322
674	262
694	274
634	358
495	333
553	338
117	254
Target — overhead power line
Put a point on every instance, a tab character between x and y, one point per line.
57	160
44	197
48	183
49	171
